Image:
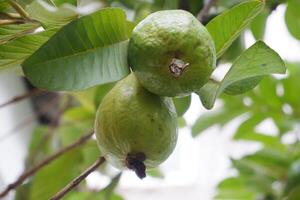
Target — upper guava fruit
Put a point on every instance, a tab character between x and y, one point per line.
135	128
171	53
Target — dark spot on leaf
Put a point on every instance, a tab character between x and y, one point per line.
264	64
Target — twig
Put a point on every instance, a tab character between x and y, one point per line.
16	99
204	11
35	169
19	9
78	179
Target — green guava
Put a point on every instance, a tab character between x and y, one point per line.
171	53
135	128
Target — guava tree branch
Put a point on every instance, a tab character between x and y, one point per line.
204	11
78	179
16	99
48	160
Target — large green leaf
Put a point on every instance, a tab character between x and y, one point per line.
13	53
292	18
226	27
257	61
51	16
89	51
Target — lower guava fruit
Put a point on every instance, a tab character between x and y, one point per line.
171	53
134	128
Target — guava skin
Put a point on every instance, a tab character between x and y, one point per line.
167	35
131	121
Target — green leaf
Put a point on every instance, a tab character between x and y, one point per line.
105	194
292	18
23	192
13	53
182	104
78	114
90	153
51	16
86	98
294	194
181	122
248	126
234	50
257	61
89	51
266	140
101	91
90	196
258	25
54	176
293	177
226	27
60	2
10	32
210	119
156	173
266	162
69	133
3	5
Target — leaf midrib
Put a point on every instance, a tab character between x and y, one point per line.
76	54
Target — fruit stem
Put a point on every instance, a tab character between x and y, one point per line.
135	162
177	67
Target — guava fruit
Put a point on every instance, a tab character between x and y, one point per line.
135	128
171	53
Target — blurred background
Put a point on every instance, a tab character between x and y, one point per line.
246	147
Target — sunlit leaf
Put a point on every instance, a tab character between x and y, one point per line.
10	32
89	51
226	27
257	61
13	53
51	16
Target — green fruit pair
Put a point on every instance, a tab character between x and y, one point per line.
171	54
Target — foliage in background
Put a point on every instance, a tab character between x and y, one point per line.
271	173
